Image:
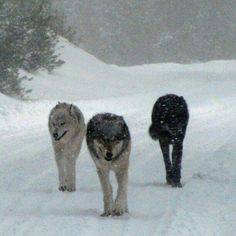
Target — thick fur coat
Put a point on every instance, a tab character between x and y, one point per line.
169	123
109	144
67	131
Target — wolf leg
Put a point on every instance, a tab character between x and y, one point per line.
121	199
107	191
176	160
71	174
166	156
61	173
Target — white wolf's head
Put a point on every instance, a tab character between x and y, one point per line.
63	123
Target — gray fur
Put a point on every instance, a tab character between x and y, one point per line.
67	131
108	134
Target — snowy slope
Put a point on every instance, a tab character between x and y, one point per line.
30	203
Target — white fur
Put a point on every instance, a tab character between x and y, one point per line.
67	149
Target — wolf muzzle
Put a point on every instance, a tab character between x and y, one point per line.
57	138
108	156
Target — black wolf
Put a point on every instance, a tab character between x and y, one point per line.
169	123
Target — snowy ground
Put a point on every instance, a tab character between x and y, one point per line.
30	203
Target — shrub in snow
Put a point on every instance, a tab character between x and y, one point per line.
28	37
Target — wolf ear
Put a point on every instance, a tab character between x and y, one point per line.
120	122
58	104
71	110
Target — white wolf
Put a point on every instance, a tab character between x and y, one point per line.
109	143
67	130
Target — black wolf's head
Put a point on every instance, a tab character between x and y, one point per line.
170	113
174	123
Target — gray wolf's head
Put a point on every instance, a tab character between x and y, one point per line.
108	149
63	122
108	134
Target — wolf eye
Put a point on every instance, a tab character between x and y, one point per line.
100	148
62	123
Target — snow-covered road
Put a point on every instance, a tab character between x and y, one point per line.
31	205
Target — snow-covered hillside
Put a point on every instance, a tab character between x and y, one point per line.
30	203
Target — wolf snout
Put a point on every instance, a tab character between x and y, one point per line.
55	135
109	156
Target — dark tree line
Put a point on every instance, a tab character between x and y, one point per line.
131	32
28	37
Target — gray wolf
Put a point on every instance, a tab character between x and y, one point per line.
67	130
109	143
169	123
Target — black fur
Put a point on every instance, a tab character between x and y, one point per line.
169	123
107	127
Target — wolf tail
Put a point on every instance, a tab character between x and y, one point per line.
153	132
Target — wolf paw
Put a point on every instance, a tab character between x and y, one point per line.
106	214
176	185
70	188
62	188
168	181
120	210
117	213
